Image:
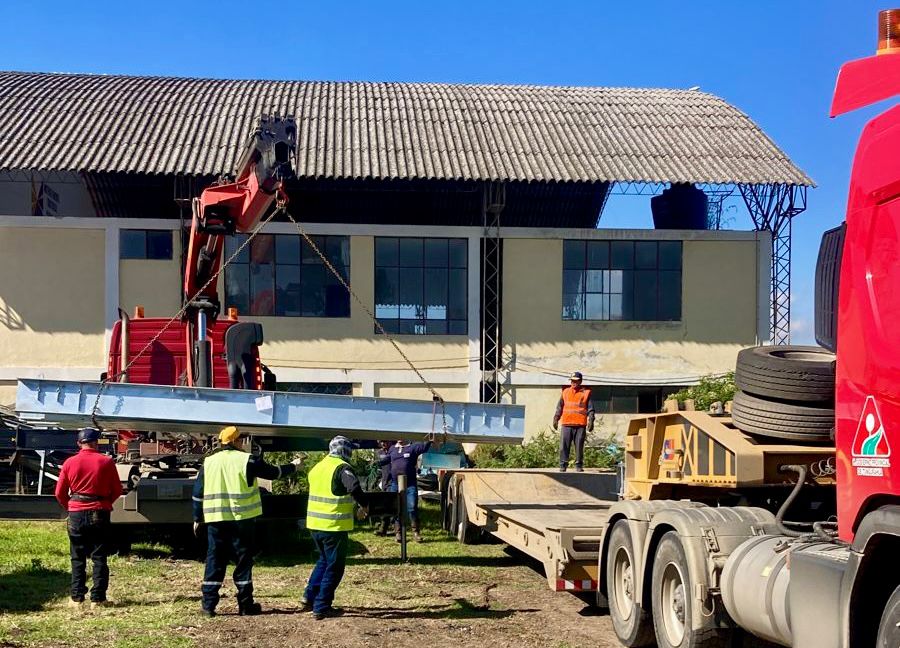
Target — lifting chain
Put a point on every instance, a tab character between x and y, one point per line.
280	206
438	400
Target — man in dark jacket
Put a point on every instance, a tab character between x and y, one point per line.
384	483
87	487
404	459
226	497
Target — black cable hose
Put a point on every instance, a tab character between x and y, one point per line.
779	516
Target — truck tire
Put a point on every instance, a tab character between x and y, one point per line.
466	532
788	373
672	600
633	626
888	630
778	420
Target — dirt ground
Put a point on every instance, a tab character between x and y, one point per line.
424	605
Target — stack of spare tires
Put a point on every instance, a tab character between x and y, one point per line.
785	392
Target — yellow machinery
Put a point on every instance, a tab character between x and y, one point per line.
675	454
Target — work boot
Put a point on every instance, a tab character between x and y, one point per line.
250	609
417	536
95	605
579	469
77	604
327	613
208	612
397	535
562	469
305	605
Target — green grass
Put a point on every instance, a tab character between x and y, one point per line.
156	593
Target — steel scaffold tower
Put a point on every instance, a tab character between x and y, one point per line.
772	208
494	373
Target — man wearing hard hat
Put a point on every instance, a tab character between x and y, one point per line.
226	498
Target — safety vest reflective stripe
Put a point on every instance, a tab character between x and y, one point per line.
331	500
234	496
227	495
330	516
233	509
326	511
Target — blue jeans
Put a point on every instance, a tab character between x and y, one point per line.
412	503
329	569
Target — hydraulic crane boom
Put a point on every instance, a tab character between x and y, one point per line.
222	210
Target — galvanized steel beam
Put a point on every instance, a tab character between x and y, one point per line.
193	410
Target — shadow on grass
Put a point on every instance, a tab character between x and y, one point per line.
455	561
460	609
29	589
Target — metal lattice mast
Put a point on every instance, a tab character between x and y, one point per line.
772	208
494	383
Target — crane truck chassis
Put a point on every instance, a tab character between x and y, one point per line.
718	536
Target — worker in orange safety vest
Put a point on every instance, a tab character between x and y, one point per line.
575	411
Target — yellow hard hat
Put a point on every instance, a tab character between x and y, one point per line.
229	434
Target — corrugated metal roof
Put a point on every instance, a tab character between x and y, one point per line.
154	125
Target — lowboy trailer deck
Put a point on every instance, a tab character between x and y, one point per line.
556	518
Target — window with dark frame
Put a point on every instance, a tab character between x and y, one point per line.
622	280
421	285
626	399
331	389
281	275
145	244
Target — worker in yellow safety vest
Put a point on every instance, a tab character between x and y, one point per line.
226	498
575	411
333	487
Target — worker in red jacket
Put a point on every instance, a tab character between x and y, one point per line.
87	487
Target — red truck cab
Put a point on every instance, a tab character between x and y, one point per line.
866	341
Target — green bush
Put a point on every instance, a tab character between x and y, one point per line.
542	451
299	481
709	390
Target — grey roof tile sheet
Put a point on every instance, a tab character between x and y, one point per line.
161	125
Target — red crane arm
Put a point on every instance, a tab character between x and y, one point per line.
222	210
236	206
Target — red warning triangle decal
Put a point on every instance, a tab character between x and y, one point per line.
871	438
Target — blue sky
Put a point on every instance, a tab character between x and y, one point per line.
776	61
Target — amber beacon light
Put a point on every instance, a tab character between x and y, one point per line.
889	31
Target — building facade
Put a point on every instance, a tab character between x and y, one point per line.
93	217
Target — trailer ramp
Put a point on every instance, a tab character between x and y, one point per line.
556	518
195	410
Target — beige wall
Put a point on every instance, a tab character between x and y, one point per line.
457	393
719	316
351	342
52	316
154	284
8	393
51	297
